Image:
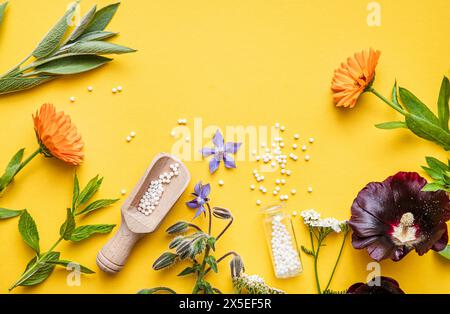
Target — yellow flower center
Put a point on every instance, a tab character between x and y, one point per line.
405	231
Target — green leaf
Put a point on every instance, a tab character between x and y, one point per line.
307	251
187	271
446	252
66	263
155	290
2	10
394	96
98	35
89	190
436	164
16	84
53	38
434	174
28	231
429	131
11	169
84	23
98	47
212	243
73	64
85	232
97	205
9	213
211	261
76	191
391	125
443	109
416	107
68	227
432	187
102	18
36	273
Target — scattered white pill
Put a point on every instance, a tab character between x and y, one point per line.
282	128
294	213
303	147
258	202
128	138
310	189
257	158
187	139
277	125
119	88
72	99
172	133
294	146
263	144
283	171
277	181
293	191
264	190
277	188
90	88
283	182
221	182
114	90
307	157
252	187
296	136
273	164
311	140
275	192
288	172
123	191
133	134
281	144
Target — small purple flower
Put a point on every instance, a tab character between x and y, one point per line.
221	152
201	193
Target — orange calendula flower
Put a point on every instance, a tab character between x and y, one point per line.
57	135
351	79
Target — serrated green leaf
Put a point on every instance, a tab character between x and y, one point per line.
102	18
73	64
89	190
9	213
84	23
11	169
416	107
443	103
85	232
76	191
2	10
28	231
97	47
434	174
66	263
446	252
432	187
391	125
429	131
53	38
15	84
68	227
436	164
97	205
98	35
211	261
212	243
36	273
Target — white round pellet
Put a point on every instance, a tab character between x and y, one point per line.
307	157
286	197
277	125
293	191
132	134
123	191
310	189
114	90
221	182
294	213
277	188
294	146
275	192
187	139
119	88
303	147
283	181
296	136
90	88
128	138
282	128
311	140
72	99
264	190
252	187
283	171
257	158
172	133
281	144
277	181
258	202
288	172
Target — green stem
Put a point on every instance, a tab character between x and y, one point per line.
337	260
316	270
388	102
31	270
201	272
221	259
209	218
26	161
225	229
12	70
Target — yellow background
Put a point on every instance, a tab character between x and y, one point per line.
236	62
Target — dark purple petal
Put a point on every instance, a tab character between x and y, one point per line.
213	165
232	148
218	140
229	161
198	188
206	189
442	242
440	233
193	204
207	151
381	249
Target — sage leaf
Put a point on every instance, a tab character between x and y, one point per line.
102	18
15	84
156	290
446	252
28	231
11	169
65	263
98	35
9	213
416	107
37	272
53	38
98	47
84	23
76	191
391	125
85	232
68	227
89	190
2	10
97	205
429	131
443	105
71	65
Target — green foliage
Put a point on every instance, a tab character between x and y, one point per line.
439	172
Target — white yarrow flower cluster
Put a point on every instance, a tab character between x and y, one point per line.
312	218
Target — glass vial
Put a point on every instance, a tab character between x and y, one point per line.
282	242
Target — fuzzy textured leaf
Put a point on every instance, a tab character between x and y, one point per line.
9	213
84	23
15	84
98	35
102	18
416	107
85	232
443	105
53	38
429	131
71	65
11	169
98	47
28	231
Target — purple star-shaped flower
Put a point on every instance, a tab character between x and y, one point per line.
201	193
220	152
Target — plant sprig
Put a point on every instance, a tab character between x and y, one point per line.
42	264
439	172
59	53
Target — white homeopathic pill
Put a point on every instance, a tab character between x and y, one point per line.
72	98
187	139
294	146
310	189
307	157
114	90
296	136
119	88
90	88
258	202
303	147
128	138
132	134
252	187
123	191
293	191
282	128
311	140
221	182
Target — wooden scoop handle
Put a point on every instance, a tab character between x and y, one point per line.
114	254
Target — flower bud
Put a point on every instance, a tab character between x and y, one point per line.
165	260
236	266
222	213
179	227
175	242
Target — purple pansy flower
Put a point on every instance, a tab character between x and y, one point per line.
221	152
201	193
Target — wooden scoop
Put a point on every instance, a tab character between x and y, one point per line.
135	225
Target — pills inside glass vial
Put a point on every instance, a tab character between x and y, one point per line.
151	198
